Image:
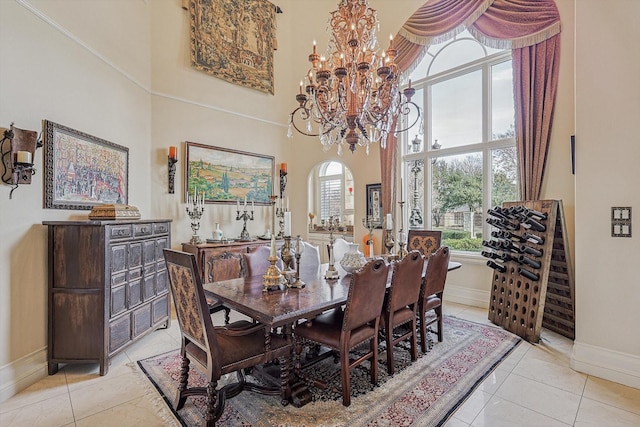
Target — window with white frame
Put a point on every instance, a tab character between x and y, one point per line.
335	192
468	163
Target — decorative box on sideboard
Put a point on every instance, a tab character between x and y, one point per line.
107	287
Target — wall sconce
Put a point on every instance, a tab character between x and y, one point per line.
172	160
283	178
17	159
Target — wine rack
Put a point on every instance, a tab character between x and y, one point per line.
532	282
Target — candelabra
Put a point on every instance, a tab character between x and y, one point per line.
195	209
280	216
245	216
369	223
402	238
299	249
287	255
332	273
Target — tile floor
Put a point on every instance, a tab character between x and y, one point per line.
534	387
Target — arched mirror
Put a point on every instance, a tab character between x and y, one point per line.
331	193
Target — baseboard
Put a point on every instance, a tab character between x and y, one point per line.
463	295
607	364
22	373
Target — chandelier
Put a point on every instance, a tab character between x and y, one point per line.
351	96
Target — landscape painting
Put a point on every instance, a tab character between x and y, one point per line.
222	175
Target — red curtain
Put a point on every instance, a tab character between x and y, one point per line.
531	29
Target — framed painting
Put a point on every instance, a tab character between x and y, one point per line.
234	41
374	204
81	170
223	175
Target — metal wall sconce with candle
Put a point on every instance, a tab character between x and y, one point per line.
172	160
283	178
18	148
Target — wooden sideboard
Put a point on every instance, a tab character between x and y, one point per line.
207	254
107	287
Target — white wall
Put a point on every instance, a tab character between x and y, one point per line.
607	149
56	66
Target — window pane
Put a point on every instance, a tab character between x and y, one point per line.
504	173
502	109
332	168
456	112
415	196
457	53
457	200
330	198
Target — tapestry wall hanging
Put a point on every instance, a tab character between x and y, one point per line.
234	41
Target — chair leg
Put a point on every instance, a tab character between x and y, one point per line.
389	333
227	313
423	331
438	311
345	375
374	359
210	415
414	340
181	398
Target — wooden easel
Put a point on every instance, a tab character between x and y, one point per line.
522	305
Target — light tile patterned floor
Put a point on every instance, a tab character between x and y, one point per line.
534	387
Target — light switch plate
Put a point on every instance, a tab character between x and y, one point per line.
621	222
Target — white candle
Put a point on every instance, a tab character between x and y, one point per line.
389	222
272	253
245	203
23	157
287	223
238	205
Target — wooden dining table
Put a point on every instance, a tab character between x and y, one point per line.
286	306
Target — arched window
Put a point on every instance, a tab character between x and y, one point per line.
469	161
331	192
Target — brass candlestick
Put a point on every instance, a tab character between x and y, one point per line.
272	278
286	255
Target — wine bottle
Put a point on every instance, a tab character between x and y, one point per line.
528	274
496	234
498	213
529	250
528	237
496	266
512	236
490	254
509	246
505	257
502	224
491	244
532	223
530	213
523	259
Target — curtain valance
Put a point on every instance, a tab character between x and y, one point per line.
501	24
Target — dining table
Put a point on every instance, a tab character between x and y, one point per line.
284	307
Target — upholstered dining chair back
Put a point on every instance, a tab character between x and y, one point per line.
217	351
432	293
401	304
310	258
340	247
226	266
257	261
366	295
425	241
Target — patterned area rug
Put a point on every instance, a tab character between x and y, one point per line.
422	393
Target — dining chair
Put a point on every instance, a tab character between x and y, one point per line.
431	294
343	329
217	351
340	247
401	304
425	241
309	258
257	261
223	266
